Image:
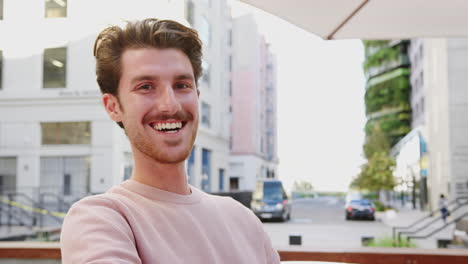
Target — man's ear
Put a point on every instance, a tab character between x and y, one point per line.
112	106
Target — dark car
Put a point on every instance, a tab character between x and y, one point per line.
360	209
269	201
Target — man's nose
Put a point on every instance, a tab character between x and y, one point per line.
167	101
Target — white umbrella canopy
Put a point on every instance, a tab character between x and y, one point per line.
373	19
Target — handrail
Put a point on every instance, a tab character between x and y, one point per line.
14	215
35	210
438	229
60	199
428	224
431	214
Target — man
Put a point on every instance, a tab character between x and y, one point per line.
444	212
148	74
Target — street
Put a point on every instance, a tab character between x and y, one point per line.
321	223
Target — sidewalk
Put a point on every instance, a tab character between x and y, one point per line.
402	217
405	217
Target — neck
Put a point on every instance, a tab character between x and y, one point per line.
168	177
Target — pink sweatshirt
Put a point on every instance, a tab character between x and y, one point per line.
136	223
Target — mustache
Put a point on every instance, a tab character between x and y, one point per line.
179	115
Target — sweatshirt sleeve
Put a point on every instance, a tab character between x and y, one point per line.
271	254
95	231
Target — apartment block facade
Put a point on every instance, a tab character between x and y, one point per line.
54	133
254	125
444	70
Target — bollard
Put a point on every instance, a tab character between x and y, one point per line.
365	240
295	240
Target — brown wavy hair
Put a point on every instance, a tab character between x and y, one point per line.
148	33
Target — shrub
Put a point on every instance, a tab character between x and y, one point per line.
388	242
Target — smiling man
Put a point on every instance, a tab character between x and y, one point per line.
148	74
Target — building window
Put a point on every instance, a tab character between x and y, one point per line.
67	184
206	170
189	12
1	67
55	8
422	105
206	114
421	79
1	9
234	183
8	170
191	167
230	87
230	63
55	68
65	175
205	31
206	72
128	165
221	180
58	133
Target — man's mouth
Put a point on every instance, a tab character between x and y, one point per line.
168	127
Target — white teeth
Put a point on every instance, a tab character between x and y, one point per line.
162	126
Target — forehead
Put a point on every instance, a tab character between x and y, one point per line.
155	62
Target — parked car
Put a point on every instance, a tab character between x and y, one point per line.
269	201
360	209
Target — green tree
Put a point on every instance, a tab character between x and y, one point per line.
377	174
376	141
302	187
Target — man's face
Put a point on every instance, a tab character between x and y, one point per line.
157	103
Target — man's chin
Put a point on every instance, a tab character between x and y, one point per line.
170	157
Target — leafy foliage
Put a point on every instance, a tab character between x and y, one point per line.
395	125
389	114
382	55
376	141
388	242
302	186
376	174
391	93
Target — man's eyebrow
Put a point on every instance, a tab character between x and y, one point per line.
144	78
186	76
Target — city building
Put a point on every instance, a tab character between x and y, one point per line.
208	164
444	80
387	88
54	133
388	109
411	151
439	106
254	128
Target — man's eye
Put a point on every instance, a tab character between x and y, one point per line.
181	86
146	86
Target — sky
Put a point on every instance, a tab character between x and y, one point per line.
321	117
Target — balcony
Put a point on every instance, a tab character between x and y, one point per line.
401	61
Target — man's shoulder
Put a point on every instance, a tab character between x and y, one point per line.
231	207
93	204
224	201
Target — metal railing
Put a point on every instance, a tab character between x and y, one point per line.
456	220
456	204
